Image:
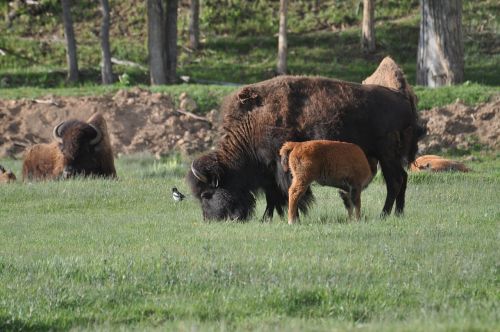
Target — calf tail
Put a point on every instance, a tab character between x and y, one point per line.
2	169
285	153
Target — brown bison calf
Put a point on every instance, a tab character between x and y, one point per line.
437	164
80	148
329	163
6	176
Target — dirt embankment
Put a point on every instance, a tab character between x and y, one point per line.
142	121
138	121
458	126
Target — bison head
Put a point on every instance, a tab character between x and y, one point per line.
78	142
222	194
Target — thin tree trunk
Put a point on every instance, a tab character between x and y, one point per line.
440	58
282	39
70	41
171	40
194	25
107	67
156	42
368	28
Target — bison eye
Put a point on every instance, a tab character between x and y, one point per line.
206	195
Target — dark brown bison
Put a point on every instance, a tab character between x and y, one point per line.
6	176
259	118
80	148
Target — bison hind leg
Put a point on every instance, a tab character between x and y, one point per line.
306	200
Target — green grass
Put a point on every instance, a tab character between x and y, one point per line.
106	255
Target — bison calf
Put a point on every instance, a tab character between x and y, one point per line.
329	163
437	164
6	176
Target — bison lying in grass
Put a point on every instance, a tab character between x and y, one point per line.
437	164
259	118
80	148
6	176
330	163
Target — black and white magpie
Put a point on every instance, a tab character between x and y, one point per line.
177	195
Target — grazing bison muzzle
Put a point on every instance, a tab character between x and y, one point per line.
80	149
259	118
219	200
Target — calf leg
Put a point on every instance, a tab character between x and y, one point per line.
346	198
297	189
356	199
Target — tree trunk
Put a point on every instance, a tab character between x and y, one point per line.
171	40
156	42
70	41
368	29
440	58
282	39
194	25
107	67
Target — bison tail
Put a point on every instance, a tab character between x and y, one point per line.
285	153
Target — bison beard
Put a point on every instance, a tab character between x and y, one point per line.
260	117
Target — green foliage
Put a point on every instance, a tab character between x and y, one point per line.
121	255
239	43
468	93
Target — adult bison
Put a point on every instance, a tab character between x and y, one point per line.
259	118
80	148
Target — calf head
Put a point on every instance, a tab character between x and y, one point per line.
6	176
222	194
78	142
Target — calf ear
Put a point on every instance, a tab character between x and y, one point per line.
248	96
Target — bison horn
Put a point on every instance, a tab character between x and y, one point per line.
98	136
198	175
56	133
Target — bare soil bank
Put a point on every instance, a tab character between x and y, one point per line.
142	121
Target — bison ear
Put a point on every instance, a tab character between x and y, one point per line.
248	97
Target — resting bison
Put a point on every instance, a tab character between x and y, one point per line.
6	176
437	164
81	148
259	118
330	163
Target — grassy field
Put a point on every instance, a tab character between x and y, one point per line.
121	255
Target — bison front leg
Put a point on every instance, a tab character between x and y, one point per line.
400	198
275	199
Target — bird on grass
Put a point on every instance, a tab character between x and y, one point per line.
177	195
